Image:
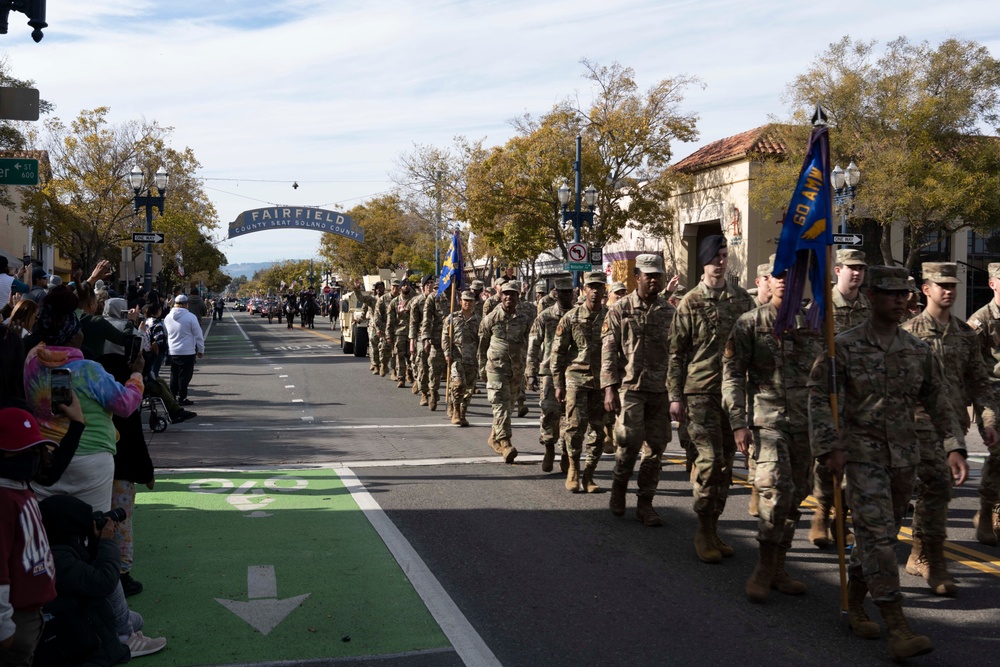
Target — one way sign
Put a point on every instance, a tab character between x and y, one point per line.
848	239
140	237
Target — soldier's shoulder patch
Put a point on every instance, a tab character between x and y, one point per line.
730	350
559	330
975	323
606	326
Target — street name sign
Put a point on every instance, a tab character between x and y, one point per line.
18	171
578	266
848	239
141	237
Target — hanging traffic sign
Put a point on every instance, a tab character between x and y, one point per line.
155	237
577	252
848	239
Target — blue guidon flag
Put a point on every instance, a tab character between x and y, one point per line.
805	235
451	268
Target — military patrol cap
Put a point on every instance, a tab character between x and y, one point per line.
943	273
478	285
396	282
763	270
540	288
564	283
850	256
888	278
618	287
595	278
648	263
511	286
468	295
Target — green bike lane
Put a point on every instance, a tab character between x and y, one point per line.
289	567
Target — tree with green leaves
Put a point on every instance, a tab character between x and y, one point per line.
913	117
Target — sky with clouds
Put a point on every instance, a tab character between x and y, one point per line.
329	93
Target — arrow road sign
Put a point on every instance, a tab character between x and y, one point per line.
577	252
155	237
848	239
263	611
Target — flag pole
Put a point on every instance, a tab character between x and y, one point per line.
451	345
819	120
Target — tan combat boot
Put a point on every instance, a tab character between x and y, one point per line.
938	577
916	564
588	483
415	389
984	521
703	545
782	581
754	509
507	451
423	399
462	421
819	529
903	642
549	458
455	418
493	441
857	618
617	501
723	548
761	579
573	475
432	402
401	384
645	513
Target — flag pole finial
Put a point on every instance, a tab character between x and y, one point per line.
819	118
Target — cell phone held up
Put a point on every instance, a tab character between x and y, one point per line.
60	388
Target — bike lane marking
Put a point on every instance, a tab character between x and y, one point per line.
250	566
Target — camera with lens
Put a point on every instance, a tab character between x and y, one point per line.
117	515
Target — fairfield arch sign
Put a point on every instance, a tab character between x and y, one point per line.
291	217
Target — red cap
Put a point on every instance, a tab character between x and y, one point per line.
19	430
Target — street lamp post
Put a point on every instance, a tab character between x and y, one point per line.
845	183
577	216
149	201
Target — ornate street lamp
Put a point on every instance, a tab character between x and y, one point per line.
136	180
845	183
577	216
33	9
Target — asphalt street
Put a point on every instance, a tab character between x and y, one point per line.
540	575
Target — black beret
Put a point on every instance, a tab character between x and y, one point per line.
709	248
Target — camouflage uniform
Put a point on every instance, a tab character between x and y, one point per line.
528	310
435	310
771	374
381	341
421	375
986	323
878	391
460	341
763	271
704	319
545	303
368	313
398	327
503	338
576	368
635	341
542	336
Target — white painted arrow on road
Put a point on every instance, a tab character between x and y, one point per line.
263	611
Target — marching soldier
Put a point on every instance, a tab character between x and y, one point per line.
381	321
544	300
460	342
542	336
397	328
986	322
503	336
418	357
761	297
883	372
635	346
368	313
477	289
617	291
701	328
493	300
576	371
765	388
435	310
966	379
850	308
529	309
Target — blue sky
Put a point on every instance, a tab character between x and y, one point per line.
330	93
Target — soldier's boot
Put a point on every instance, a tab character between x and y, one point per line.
383	371
703	545
588	483
573	475
507	451
522	409
492	442
782	581
415	389
938	577
401	384
983	522
608	447
617	501
760	581
423	399
754	501
432	401
720	546
549	458
819	529
857	618
916	564
456	418
645	513
462	421
903	642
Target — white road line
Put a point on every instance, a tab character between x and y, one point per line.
298	400
289	386
241	329
463	637
208	330
282	376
